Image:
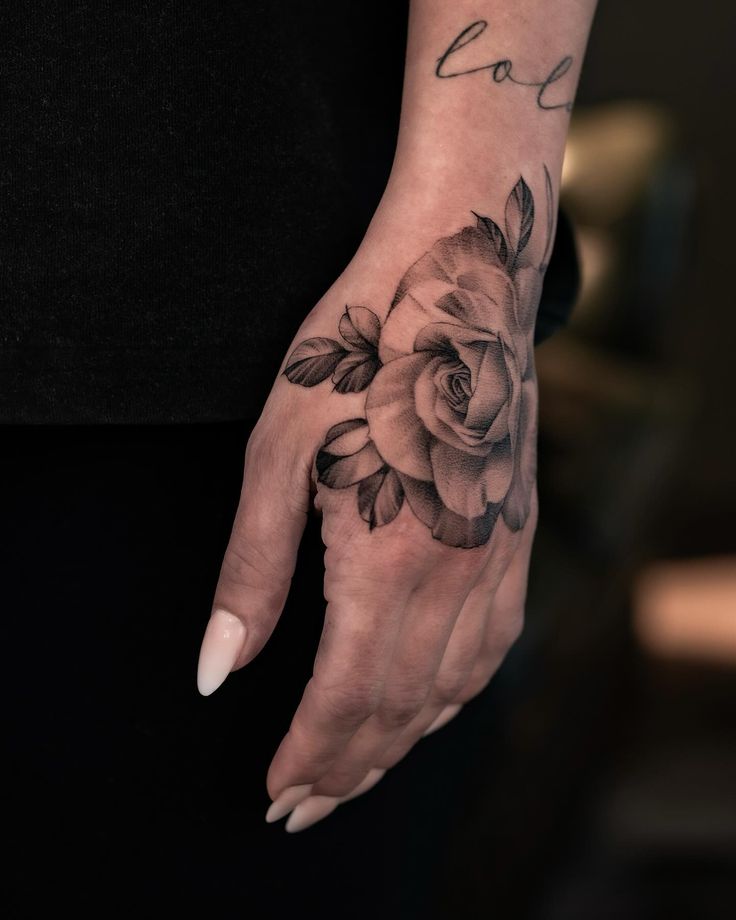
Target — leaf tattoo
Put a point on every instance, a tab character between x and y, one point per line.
519	216
313	361
380	497
449	422
550	199
347	455
496	236
360	327
351	368
354	372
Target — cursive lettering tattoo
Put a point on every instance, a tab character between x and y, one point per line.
449	424
502	70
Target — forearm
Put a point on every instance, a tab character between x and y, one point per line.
487	95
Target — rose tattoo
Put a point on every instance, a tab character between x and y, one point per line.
449	422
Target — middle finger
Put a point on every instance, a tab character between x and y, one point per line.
430	623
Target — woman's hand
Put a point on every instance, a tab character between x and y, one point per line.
408	401
407	407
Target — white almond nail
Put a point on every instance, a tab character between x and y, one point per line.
223	642
289	799
449	712
310	811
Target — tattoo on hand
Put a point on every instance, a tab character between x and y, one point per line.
503	70
450	412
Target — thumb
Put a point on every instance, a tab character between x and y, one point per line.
259	560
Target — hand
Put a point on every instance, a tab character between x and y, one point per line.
413	419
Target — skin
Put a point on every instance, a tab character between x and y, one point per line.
413	628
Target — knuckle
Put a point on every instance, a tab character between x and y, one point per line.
405	555
309	756
264	454
474	686
250	565
272	458
350	702
258	448
398	711
412	559
507	631
480	676
449	685
351	583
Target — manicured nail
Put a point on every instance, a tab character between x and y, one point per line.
223	642
443	718
310	811
368	782
289	798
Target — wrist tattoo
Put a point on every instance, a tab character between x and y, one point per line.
449	425
502	70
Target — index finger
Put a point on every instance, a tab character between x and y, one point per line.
362	622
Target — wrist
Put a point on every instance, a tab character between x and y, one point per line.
419	207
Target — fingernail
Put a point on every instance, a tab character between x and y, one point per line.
223	641
310	811
368	782
289	798
443	718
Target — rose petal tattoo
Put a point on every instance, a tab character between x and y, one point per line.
449	425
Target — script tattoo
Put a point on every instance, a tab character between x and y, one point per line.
449	426
503	69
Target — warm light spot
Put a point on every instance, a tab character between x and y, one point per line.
687	609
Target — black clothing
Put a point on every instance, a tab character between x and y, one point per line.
180	182
129	794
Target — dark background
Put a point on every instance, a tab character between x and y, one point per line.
614	792
681	58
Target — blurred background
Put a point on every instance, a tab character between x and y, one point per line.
611	775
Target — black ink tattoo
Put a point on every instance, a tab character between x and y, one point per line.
503	69
449	424
352	366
